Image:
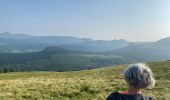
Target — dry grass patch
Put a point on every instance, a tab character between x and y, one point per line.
82	85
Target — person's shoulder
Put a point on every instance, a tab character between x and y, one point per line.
149	98
119	96
112	96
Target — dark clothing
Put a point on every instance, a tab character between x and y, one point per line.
119	96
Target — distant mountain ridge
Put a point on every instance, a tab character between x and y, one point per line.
23	42
151	51
98	45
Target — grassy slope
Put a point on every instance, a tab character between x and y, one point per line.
81	85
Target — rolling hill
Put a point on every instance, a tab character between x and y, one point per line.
153	51
94	84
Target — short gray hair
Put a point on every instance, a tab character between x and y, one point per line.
139	76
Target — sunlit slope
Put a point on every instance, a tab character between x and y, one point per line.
80	85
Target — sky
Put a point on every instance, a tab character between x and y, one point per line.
133	20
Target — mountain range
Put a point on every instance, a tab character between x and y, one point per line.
151	51
24	43
21	52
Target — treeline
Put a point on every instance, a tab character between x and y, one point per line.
5	70
53	60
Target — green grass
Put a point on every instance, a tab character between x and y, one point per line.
94	84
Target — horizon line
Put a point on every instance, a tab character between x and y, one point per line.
80	37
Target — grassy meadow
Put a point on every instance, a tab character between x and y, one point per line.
94	84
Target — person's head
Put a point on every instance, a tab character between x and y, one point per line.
139	76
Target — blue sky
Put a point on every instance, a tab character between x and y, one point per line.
134	20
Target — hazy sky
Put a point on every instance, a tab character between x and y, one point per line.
134	20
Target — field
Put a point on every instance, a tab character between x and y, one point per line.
94	84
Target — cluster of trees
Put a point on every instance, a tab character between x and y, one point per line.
5	70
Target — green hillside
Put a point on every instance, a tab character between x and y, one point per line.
78	85
58	59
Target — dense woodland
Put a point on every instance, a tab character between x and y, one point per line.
56	59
